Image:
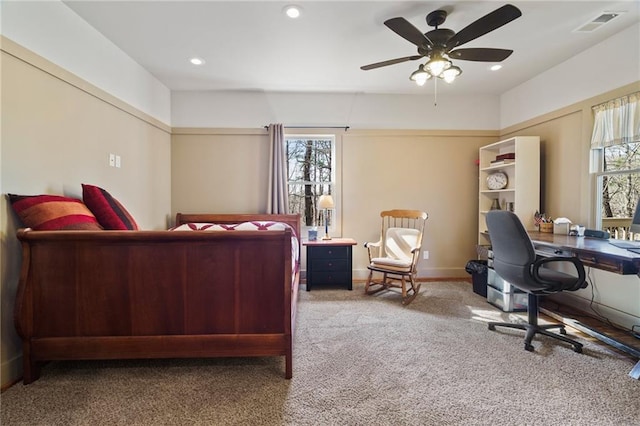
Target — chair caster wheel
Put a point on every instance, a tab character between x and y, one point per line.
563	331
492	327
577	349
528	347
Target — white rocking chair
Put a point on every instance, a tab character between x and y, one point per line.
396	254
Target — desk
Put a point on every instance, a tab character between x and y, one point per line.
596	253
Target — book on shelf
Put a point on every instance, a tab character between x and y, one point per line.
506	156
504	161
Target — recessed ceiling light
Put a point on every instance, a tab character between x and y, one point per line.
292	11
197	61
495	67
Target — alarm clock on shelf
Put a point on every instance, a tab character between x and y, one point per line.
497	180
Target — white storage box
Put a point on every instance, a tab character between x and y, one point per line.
507	301
561	228
494	280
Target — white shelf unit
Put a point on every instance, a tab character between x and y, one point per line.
523	188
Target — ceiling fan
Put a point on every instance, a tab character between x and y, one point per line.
441	45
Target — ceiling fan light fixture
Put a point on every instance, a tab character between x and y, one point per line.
438	46
451	73
420	76
436	65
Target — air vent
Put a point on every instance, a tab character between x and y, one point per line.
597	22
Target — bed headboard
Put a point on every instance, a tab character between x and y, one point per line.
292	220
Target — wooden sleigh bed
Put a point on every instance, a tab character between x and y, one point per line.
159	294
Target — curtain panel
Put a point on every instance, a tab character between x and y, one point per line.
616	122
278	193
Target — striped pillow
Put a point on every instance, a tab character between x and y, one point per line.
53	212
110	213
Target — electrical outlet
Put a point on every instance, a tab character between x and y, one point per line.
425	255
112	160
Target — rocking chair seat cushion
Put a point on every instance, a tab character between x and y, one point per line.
391	264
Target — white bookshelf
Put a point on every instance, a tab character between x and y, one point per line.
523	188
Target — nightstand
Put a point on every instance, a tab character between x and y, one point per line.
329	262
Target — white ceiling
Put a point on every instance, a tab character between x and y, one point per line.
252	45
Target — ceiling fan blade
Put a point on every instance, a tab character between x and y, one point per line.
484	25
390	62
406	30
480	54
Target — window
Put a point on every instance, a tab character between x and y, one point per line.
618	187
310	173
616	162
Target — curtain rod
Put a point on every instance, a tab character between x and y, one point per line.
616	99
314	127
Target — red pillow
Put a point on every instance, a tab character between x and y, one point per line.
53	212
110	213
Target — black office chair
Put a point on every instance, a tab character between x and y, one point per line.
514	260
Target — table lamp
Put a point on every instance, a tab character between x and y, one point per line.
326	202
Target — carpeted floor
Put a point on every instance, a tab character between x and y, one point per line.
358	360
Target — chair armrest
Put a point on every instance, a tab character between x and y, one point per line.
373	249
577	263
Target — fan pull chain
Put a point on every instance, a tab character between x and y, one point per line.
435	91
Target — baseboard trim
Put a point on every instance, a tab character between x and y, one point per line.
11	372
362	277
431	274
619	318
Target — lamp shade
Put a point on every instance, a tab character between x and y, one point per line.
325	202
436	65
451	73
420	76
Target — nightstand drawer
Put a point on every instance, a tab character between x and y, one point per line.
334	252
334	277
329	264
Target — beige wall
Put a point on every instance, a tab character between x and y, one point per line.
226	171
57	132
219	170
560	163
423	170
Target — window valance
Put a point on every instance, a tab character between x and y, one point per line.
616	122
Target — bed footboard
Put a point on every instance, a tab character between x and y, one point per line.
154	294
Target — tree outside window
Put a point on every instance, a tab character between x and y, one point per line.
310	171
620	187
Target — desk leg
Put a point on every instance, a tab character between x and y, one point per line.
635	371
